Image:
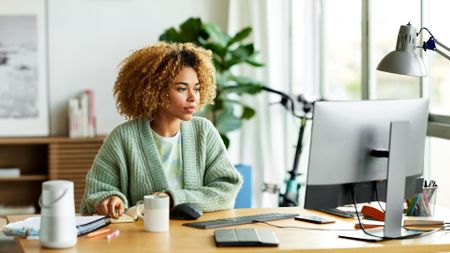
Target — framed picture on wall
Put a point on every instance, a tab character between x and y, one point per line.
23	68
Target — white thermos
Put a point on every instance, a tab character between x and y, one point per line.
58	227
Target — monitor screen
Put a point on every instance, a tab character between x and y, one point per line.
357	146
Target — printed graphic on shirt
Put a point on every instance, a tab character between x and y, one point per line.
170	151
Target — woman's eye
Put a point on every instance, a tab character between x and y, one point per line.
197	89
181	89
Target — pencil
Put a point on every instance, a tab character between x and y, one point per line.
113	234
98	232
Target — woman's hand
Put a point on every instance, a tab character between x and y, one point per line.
112	207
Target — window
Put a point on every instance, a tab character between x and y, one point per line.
388	16
335	56
342	49
439	67
439	79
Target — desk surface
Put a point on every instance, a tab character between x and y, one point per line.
133	238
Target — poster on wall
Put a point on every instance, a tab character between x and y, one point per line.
23	80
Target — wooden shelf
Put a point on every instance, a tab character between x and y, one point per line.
25	178
47	140
44	158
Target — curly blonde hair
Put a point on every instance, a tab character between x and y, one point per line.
141	88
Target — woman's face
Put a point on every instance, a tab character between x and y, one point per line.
184	95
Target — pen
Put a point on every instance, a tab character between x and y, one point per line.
98	232
411	211
115	233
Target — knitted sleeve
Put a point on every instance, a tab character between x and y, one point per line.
221	181
104	178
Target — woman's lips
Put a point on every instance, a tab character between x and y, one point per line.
190	109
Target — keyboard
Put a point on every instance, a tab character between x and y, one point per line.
338	212
218	223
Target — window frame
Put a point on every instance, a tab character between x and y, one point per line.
439	126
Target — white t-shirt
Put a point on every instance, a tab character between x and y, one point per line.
170	152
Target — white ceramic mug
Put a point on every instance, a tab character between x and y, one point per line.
156	212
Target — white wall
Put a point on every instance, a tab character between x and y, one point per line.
87	39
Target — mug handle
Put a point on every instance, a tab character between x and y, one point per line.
138	213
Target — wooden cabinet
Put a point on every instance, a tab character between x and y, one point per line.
44	158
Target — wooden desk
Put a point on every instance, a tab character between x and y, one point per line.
191	240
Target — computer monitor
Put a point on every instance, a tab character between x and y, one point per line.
363	146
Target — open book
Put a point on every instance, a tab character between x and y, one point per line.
31	226
85	224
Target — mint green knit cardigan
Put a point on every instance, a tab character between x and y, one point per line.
128	165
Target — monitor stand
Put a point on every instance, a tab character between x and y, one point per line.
395	190
377	234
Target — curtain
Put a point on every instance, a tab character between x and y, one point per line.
262	141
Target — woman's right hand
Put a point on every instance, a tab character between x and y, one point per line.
112	207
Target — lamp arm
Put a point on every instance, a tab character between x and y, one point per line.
442	45
440	51
443	54
432	42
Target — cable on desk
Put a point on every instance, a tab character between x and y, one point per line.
307	228
425	233
443	228
376	195
361	225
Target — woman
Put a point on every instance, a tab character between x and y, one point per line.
162	149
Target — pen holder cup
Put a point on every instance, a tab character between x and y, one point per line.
423	203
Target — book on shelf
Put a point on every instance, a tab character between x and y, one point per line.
9	172
82	115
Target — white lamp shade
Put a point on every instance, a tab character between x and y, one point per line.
403	63
403	60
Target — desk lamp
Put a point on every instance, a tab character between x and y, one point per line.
403	60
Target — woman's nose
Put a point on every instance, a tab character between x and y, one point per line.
191	95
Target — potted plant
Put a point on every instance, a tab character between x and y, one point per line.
228	112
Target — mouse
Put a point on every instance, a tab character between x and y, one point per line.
186	211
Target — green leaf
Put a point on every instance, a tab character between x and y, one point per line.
218	105
254	63
216	34
221	79
216	48
243	51
248	113
171	35
225	140
227	121
239	55
242	34
243	79
243	89
191	29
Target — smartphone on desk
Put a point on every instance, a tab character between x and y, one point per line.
314	219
